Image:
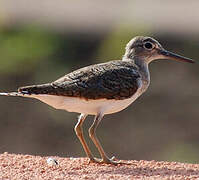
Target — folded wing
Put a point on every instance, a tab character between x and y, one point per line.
112	80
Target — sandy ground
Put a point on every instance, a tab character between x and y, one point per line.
15	167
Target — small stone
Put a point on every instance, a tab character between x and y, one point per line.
52	162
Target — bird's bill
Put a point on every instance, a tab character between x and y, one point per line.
169	55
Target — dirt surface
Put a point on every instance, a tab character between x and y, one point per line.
35	167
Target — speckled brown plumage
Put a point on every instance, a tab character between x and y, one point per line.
111	80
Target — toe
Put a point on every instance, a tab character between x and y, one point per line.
95	160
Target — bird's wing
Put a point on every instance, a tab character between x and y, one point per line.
112	80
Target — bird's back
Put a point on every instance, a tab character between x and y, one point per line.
112	80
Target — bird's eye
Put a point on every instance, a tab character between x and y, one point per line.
148	45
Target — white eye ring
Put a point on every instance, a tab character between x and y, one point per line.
148	45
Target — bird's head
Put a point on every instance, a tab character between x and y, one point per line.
148	49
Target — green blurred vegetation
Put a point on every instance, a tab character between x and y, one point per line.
22	48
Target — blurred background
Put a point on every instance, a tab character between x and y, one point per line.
41	41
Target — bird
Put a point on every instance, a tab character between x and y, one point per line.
102	89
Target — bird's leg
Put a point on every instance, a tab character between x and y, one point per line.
79	133
92	134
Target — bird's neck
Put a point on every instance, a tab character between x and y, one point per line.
143	68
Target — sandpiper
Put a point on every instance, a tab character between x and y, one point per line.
102	89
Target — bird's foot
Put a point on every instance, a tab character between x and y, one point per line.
112	161
95	160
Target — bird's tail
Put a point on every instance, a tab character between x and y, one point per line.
29	91
11	94
21	92
37	89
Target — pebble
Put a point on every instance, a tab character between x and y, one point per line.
52	162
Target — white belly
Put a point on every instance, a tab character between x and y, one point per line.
92	107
